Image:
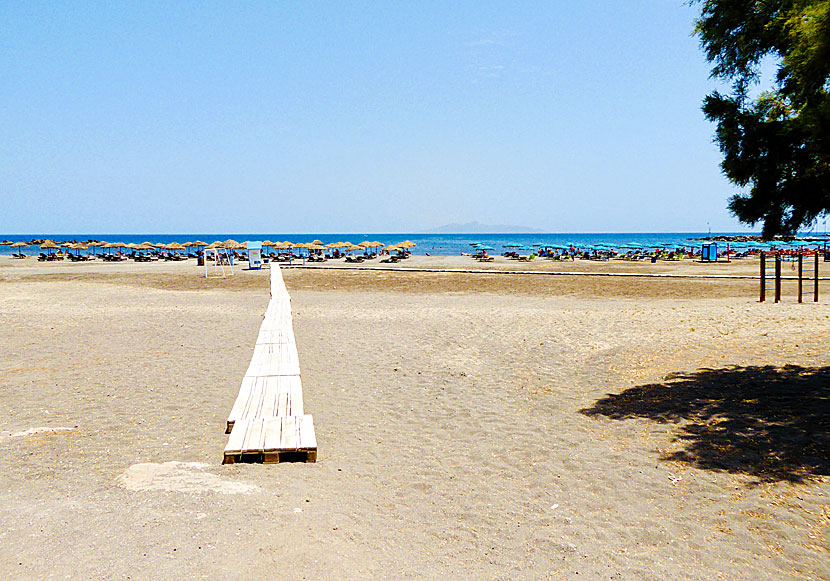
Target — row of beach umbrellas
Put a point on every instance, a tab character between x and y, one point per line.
229	244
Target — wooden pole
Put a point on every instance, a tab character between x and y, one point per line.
800	261
815	280
763	277
777	278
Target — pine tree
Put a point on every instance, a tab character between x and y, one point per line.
776	147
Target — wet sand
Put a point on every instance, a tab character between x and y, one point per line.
469	425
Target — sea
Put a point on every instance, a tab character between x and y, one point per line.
426	244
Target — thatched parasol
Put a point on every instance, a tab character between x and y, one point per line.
49	245
19	245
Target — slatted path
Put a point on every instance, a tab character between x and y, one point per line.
267	422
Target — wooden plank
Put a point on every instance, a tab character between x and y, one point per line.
237	438
278	335
253	437
254	401
295	403
277	313
267	396
239	406
270	398
274	359
282	405
290	434
277	282
273	435
308	440
257	361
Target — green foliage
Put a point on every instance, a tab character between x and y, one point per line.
776	147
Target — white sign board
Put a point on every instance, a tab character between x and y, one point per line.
254	258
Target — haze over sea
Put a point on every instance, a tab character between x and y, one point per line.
433	244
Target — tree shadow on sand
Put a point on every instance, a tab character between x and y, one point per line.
767	422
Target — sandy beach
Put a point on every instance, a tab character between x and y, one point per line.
470	425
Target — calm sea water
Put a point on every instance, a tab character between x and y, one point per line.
433	244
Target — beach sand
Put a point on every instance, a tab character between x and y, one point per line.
506	426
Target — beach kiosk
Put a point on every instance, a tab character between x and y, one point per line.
709	252
254	255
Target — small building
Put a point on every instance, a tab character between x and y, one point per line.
709	252
254	255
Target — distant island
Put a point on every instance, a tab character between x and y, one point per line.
478	228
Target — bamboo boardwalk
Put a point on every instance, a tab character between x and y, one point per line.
267	422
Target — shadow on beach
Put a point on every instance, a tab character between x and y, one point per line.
767	422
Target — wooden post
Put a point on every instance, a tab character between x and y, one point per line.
815	281
777	278
763	277
800	261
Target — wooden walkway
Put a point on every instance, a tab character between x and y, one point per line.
267	422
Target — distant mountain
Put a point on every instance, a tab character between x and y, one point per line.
478	228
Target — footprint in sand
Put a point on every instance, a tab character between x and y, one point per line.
188	477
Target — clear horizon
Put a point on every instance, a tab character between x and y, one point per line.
329	118
362	232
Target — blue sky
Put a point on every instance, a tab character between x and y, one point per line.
355	117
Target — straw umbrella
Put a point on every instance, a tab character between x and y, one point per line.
109	246
196	244
145	246
175	247
78	246
19	245
48	245
375	244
